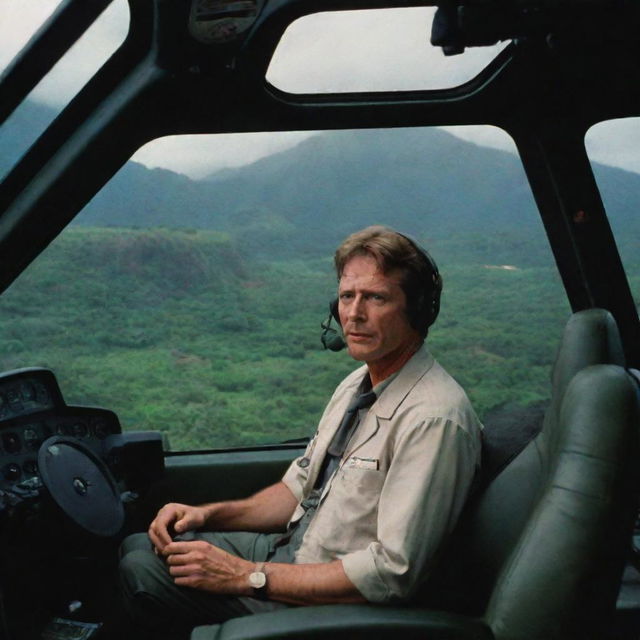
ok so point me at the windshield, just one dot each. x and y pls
(192, 304)
(188, 295)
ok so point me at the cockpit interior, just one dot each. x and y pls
(166, 231)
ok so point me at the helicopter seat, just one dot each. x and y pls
(515, 464)
(539, 552)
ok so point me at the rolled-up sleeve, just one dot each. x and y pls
(427, 483)
(295, 477)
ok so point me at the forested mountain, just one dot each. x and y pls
(302, 201)
(329, 184)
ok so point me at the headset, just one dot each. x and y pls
(422, 310)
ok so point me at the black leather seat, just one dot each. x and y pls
(539, 553)
(494, 519)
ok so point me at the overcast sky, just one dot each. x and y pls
(365, 50)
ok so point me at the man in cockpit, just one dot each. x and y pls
(359, 516)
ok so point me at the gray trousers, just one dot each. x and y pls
(152, 604)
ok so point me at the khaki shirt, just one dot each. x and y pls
(401, 484)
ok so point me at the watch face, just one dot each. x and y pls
(257, 580)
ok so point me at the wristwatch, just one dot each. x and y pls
(258, 581)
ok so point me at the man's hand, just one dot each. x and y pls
(173, 519)
(267, 511)
(201, 565)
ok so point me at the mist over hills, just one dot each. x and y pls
(310, 196)
(303, 200)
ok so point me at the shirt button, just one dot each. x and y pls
(303, 463)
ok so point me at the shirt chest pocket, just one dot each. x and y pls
(359, 479)
(347, 518)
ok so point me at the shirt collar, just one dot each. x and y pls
(401, 383)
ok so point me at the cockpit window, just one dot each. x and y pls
(191, 302)
(614, 151)
(369, 50)
(66, 78)
(20, 22)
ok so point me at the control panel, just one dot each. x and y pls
(32, 409)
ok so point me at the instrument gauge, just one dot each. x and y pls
(11, 442)
(101, 428)
(31, 438)
(80, 430)
(13, 397)
(62, 429)
(11, 472)
(28, 392)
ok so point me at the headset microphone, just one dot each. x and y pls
(330, 338)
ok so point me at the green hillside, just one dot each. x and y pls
(177, 331)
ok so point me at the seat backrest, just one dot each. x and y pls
(562, 576)
(495, 517)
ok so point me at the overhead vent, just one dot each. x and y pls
(222, 21)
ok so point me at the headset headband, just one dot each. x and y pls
(431, 301)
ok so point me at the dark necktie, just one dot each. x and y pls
(342, 435)
(330, 463)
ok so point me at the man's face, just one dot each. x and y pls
(372, 309)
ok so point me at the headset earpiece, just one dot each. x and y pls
(424, 311)
(330, 338)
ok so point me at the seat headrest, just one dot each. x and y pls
(590, 337)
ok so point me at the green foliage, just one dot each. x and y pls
(213, 336)
(175, 331)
